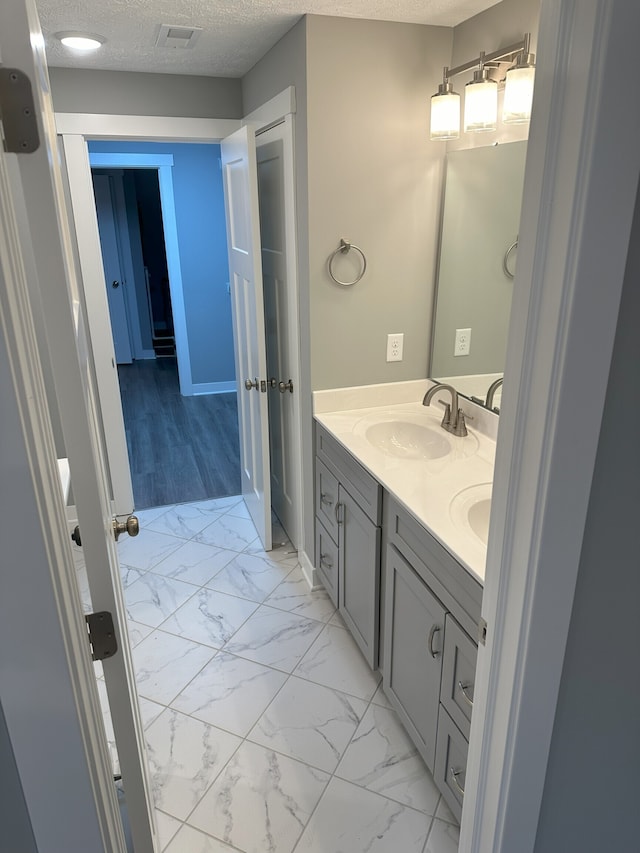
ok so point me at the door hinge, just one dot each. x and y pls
(101, 635)
(482, 632)
(18, 113)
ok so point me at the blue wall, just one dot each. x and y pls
(199, 204)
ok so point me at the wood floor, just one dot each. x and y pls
(180, 448)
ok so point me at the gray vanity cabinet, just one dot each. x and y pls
(413, 637)
(348, 534)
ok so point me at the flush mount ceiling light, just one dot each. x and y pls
(81, 41)
(481, 93)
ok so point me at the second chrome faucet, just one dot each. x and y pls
(453, 420)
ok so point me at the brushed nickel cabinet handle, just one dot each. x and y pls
(325, 499)
(463, 690)
(339, 505)
(325, 561)
(434, 630)
(454, 776)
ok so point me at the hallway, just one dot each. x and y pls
(180, 448)
(266, 730)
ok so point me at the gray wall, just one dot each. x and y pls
(375, 179)
(77, 90)
(590, 799)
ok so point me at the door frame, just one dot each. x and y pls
(580, 191)
(75, 130)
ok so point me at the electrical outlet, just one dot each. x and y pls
(463, 342)
(394, 347)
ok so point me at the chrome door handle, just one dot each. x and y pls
(130, 526)
(463, 689)
(454, 776)
(434, 630)
(285, 386)
(248, 384)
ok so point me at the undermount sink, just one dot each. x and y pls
(470, 510)
(407, 440)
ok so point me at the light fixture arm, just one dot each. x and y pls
(509, 52)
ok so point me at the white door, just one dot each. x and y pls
(245, 270)
(112, 269)
(46, 239)
(281, 321)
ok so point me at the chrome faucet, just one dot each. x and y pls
(491, 392)
(453, 420)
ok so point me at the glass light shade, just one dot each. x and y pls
(445, 116)
(480, 105)
(518, 94)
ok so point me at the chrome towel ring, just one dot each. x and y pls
(344, 247)
(507, 255)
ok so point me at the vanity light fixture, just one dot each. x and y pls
(481, 93)
(518, 90)
(81, 41)
(445, 111)
(480, 101)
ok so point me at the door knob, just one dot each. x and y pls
(115, 284)
(248, 384)
(273, 382)
(285, 386)
(130, 526)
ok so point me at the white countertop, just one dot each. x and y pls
(425, 487)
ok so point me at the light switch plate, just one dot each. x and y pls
(395, 345)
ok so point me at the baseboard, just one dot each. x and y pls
(146, 355)
(200, 388)
(309, 571)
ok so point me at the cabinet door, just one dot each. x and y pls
(413, 636)
(359, 575)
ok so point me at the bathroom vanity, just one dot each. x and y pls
(401, 518)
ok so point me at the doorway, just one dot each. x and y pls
(176, 379)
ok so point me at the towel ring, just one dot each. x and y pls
(505, 261)
(344, 247)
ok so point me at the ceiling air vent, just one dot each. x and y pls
(175, 36)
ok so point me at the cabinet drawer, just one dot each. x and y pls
(458, 674)
(364, 488)
(327, 561)
(451, 762)
(452, 583)
(327, 499)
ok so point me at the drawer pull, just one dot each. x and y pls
(325, 499)
(454, 776)
(434, 630)
(325, 561)
(339, 506)
(463, 689)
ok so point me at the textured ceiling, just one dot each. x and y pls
(237, 33)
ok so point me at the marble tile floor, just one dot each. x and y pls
(266, 730)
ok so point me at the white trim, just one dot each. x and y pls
(275, 109)
(309, 571)
(199, 388)
(150, 128)
(91, 268)
(561, 337)
(129, 161)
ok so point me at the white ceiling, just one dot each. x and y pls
(237, 33)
